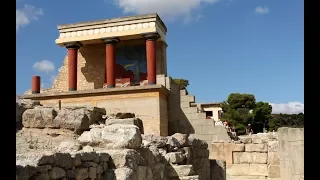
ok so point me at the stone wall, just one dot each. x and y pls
(159, 159)
(291, 153)
(252, 157)
(79, 143)
(150, 105)
(184, 117)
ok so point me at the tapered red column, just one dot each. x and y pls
(151, 40)
(35, 85)
(72, 65)
(110, 61)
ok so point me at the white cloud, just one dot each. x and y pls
(27, 14)
(261, 10)
(52, 78)
(289, 108)
(44, 66)
(167, 9)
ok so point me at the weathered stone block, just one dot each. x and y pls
(256, 140)
(150, 139)
(125, 174)
(181, 138)
(245, 139)
(273, 158)
(256, 147)
(273, 171)
(128, 121)
(175, 157)
(113, 136)
(239, 148)
(247, 170)
(258, 170)
(180, 170)
(39, 117)
(273, 146)
(237, 169)
(57, 173)
(250, 157)
(217, 151)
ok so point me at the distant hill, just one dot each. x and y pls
(286, 120)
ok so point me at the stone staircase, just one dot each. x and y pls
(203, 128)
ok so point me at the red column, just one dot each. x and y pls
(151, 40)
(35, 85)
(72, 65)
(111, 61)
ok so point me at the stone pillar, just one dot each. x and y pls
(111, 61)
(35, 85)
(151, 41)
(72, 65)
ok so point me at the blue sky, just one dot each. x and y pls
(220, 46)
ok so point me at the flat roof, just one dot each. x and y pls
(113, 20)
(209, 103)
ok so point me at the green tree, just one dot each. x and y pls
(262, 113)
(237, 100)
(183, 83)
(236, 110)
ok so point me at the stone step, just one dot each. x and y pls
(196, 116)
(180, 170)
(187, 98)
(193, 104)
(183, 92)
(189, 110)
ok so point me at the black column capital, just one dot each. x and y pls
(73, 45)
(151, 36)
(111, 40)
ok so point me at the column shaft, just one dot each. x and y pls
(110, 61)
(35, 85)
(151, 40)
(72, 68)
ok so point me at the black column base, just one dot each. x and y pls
(151, 83)
(72, 89)
(110, 86)
(35, 92)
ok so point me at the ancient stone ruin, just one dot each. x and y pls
(113, 113)
(81, 143)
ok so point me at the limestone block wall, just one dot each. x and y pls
(291, 142)
(254, 157)
(150, 107)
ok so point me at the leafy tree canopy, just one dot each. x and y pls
(242, 109)
(237, 100)
(182, 82)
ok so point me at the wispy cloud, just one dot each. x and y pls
(288, 108)
(44, 66)
(167, 9)
(261, 10)
(25, 15)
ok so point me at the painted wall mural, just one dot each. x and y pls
(131, 63)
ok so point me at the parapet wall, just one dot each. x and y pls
(291, 153)
(269, 156)
(253, 157)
